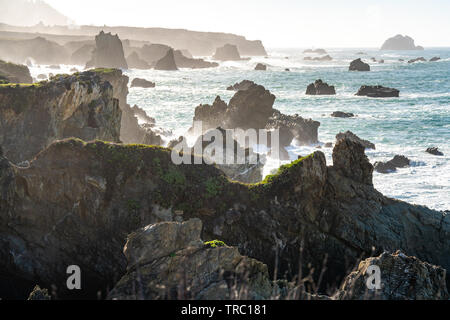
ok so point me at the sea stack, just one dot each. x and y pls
(400, 42)
(108, 52)
(359, 65)
(320, 88)
(228, 52)
(167, 63)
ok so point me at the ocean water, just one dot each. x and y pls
(408, 125)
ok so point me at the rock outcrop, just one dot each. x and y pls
(170, 261)
(108, 52)
(135, 62)
(340, 114)
(359, 65)
(434, 151)
(167, 62)
(435, 59)
(378, 92)
(14, 73)
(320, 88)
(39, 294)
(402, 278)
(400, 42)
(243, 85)
(351, 136)
(261, 67)
(392, 165)
(142, 83)
(185, 62)
(76, 203)
(33, 116)
(227, 53)
(419, 59)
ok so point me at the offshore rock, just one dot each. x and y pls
(108, 52)
(227, 53)
(167, 62)
(135, 62)
(392, 165)
(350, 135)
(400, 42)
(320, 88)
(378, 92)
(359, 65)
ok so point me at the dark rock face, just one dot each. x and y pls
(32, 117)
(351, 136)
(108, 52)
(261, 67)
(400, 42)
(402, 278)
(392, 165)
(39, 294)
(135, 62)
(14, 73)
(324, 58)
(167, 63)
(378, 92)
(421, 59)
(320, 88)
(77, 202)
(340, 114)
(161, 255)
(243, 85)
(317, 51)
(434, 151)
(227, 53)
(142, 83)
(359, 65)
(435, 59)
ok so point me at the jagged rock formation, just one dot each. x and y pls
(154, 52)
(39, 49)
(77, 202)
(340, 114)
(33, 116)
(421, 59)
(185, 62)
(317, 51)
(392, 165)
(378, 92)
(108, 52)
(142, 83)
(82, 55)
(359, 65)
(134, 62)
(243, 85)
(351, 136)
(400, 42)
(14, 73)
(402, 278)
(170, 261)
(261, 67)
(434, 151)
(320, 88)
(39, 294)
(167, 63)
(227, 53)
(324, 58)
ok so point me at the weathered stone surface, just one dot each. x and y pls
(142, 83)
(340, 114)
(392, 165)
(185, 62)
(434, 151)
(167, 62)
(33, 116)
(402, 278)
(378, 92)
(350, 135)
(243, 85)
(261, 67)
(320, 88)
(359, 65)
(39, 294)
(135, 62)
(227, 53)
(421, 59)
(170, 261)
(14, 73)
(108, 52)
(400, 42)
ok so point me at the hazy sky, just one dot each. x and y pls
(279, 23)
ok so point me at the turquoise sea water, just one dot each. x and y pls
(420, 118)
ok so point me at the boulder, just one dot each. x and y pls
(135, 62)
(261, 67)
(421, 59)
(434, 151)
(435, 59)
(14, 73)
(317, 51)
(227, 53)
(392, 165)
(243, 85)
(33, 116)
(402, 278)
(378, 92)
(108, 52)
(167, 63)
(142, 83)
(400, 42)
(320, 88)
(340, 114)
(359, 65)
(169, 260)
(351, 136)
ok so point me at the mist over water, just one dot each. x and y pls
(408, 125)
